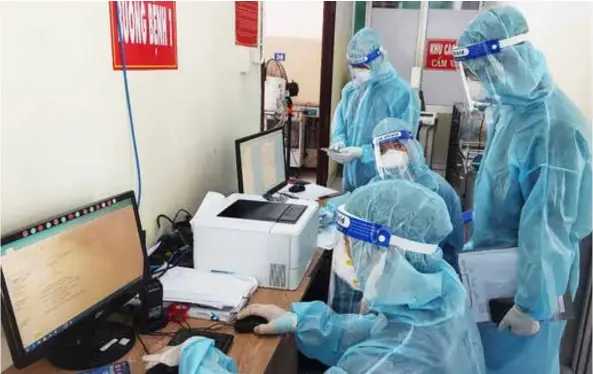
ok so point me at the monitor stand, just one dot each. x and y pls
(92, 345)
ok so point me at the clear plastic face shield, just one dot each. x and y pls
(360, 67)
(344, 295)
(374, 272)
(477, 63)
(393, 152)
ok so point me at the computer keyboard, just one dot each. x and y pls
(221, 341)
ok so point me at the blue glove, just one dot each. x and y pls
(326, 216)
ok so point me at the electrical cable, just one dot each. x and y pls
(128, 103)
(181, 211)
(158, 220)
(142, 342)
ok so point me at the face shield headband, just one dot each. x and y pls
(363, 62)
(398, 166)
(480, 50)
(377, 234)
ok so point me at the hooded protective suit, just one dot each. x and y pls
(364, 104)
(533, 189)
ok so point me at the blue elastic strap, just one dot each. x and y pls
(476, 50)
(366, 231)
(394, 136)
(466, 217)
(364, 61)
(129, 103)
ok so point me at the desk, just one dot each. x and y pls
(253, 354)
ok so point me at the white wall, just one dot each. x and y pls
(65, 135)
(293, 19)
(563, 31)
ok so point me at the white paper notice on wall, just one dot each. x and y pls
(243, 59)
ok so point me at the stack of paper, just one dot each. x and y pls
(214, 296)
(328, 237)
(488, 274)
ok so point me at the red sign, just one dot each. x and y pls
(439, 54)
(149, 30)
(246, 23)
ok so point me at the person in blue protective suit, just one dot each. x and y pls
(398, 156)
(375, 92)
(533, 189)
(418, 320)
(197, 355)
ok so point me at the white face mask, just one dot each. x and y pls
(361, 75)
(394, 159)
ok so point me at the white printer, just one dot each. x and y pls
(247, 235)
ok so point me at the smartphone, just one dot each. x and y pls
(116, 368)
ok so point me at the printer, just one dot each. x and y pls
(250, 236)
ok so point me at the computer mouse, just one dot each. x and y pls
(247, 324)
(296, 188)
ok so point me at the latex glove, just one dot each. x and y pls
(326, 216)
(337, 146)
(280, 321)
(521, 324)
(346, 155)
(168, 356)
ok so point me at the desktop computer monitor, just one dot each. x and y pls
(63, 276)
(261, 165)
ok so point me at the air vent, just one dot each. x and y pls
(277, 275)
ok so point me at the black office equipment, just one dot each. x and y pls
(247, 324)
(221, 341)
(296, 188)
(150, 316)
(264, 211)
(62, 277)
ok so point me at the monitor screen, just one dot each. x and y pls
(261, 162)
(59, 271)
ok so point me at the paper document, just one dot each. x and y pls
(327, 237)
(488, 274)
(211, 290)
(312, 192)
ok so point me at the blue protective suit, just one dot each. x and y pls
(419, 321)
(533, 189)
(200, 356)
(420, 173)
(363, 105)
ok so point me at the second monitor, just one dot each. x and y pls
(261, 166)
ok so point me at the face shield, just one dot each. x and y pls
(360, 67)
(382, 273)
(393, 152)
(344, 295)
(481, 63)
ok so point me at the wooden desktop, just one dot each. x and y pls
(253, 354)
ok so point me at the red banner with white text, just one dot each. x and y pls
(439, 54)
(149, 30)
(246, 23)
